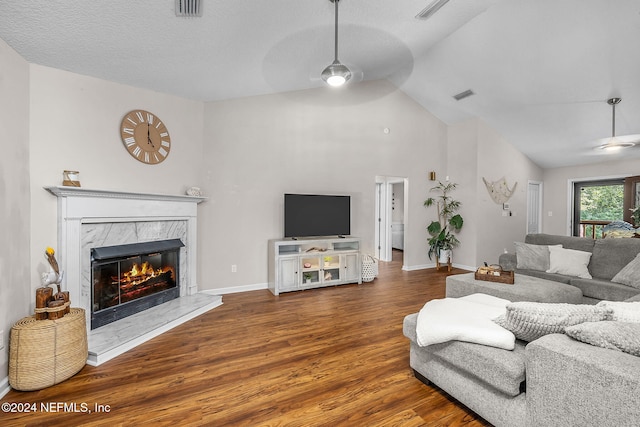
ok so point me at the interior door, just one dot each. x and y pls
(534, 207)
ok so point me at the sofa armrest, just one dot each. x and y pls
(570, 383)
(508, 261)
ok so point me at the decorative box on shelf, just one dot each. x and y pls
(495, 274)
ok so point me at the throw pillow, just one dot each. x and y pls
(619, 336)
(569, 262)
(531, 320)
(630, 274)
(532, 257)
(622, 311)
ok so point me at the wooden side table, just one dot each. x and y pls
(45, 352)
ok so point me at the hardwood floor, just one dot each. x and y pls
(325, 357)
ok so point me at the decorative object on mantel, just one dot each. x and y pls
(194, 191)
(47, 352)
(49, 305)
(70, 178)
(499, 190)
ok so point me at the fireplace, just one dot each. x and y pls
(130, 278)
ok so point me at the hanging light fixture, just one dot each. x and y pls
(336, 74)
(614, 144)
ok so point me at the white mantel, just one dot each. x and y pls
(80, 209)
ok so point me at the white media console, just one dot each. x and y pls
(312, 263)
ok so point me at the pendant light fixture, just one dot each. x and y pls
(336, 74)
(614, 144)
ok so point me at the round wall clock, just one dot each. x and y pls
(145, 137)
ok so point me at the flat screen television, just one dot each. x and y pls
(313, 215)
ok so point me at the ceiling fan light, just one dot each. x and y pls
(614, 145)
(336, 74)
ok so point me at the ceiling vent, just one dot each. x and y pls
(462, 95)
(428, 11)
(189, 8)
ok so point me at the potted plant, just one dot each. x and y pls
(443, 239)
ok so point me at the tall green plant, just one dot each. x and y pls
(449, 222)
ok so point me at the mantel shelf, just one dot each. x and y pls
(62, 191)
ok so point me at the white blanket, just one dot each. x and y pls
(468, 318)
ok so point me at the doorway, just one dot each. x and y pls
(391, 217)
(534, 207)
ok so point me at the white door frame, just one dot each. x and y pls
(538, 214)
(383, 215)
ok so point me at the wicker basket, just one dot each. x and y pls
(45, 352)
(369, 268)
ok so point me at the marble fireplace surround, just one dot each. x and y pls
(94, 218)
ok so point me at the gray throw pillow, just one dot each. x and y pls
(531, 320)
(630, 274)
(619, 336)
(569, 262)
(532, 257)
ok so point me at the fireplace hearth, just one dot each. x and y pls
(130, 278)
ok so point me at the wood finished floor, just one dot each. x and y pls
(324, 357)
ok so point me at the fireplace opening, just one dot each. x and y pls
(131, 278)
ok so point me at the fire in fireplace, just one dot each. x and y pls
(131, 278)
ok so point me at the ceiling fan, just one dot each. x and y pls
(614, 144)
(336, 74)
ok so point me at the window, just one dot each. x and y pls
(595, 204)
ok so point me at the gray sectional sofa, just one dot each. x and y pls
(554, 380)
(608, 257)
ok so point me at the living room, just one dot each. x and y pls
(245, 153)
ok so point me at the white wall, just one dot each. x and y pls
(476, 151)
(315, 141)
(557, 193)
(75, 125)
(15, 292)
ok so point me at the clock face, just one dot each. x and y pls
(145, 137)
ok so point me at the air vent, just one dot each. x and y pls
(462, 95)
(189, 8)
(428, 11)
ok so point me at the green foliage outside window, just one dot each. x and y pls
(601, 203)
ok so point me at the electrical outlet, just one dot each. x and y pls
(234, 268)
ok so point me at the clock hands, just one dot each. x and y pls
(149, 136)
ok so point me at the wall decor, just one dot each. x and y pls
(499, 190)
(145, 137)
(70, 178)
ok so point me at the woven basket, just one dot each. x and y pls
(45, 352)
(369, 268)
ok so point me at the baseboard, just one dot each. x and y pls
(4, 387)
(236, 289)
(417, 267)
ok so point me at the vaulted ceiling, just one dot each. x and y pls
(541, 70)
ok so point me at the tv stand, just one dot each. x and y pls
(300, 263)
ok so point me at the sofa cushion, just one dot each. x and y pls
(630, 274)
(623, 311)
(504, 370)
(619, 336)
(544, 275)
(569, 262)
(603, 289)
(569, 242)
(531, 320)
(612, 255)
(533, 257)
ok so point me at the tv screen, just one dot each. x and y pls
(307, 215)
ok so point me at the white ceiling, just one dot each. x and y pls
(542, 70)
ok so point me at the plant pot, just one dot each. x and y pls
(444, 255)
